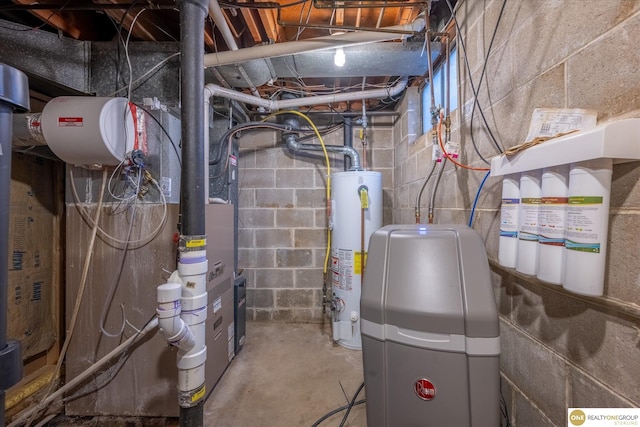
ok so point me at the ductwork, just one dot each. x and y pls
(274, 105)
(312, 45)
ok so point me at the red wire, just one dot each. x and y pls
(444, 152)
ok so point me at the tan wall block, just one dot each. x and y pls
(387, 177)
(253, 218)
(623, 272)
(275, 198)
(274, 157)
(471, 29)
(245, 237)
(410, 170)
(603, 76)
(383, 158)
(625, 191)
(260, 298)
(273, 238)
(308, 278)
(516, 14)
(259, 139)
(256, 258)
(586, 392)
(274, 278)
(294, 298)
(321, 220)
(294, 178)
(378, 137)
(256, 178)
(310, 238)
(537, 372)
(294, 218)
(246, 198)
(294, 258)
(247, 159)
(527, 414)
(311, 198)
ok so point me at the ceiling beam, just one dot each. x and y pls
(66, 22)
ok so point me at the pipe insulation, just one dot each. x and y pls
(312, 45)
(286, 104)
(14, 96)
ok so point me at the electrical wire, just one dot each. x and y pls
(336, 411)
(148, 72)
(448, 157)
(473, 89)
(173, 144)
(326, 158)
(348, 407)
(126, 51)
(475, 201)
(106, 236)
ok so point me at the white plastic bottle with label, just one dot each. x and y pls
(587, 226)
(509, 210)
(527, 256)
(551, 219)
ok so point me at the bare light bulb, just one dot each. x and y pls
(339, 58)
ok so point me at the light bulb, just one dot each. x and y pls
(339, 59)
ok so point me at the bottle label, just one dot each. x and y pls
(509, 218)
(528, 229)
(551, 217)
(584, 223)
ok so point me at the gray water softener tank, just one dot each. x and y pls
(430, 334)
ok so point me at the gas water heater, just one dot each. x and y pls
(356, 212)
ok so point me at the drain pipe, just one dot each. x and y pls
(182, 303)
(295, 146)
(14, 96)
(286, 104)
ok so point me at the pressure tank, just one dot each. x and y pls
(84, 130)
(356, 212)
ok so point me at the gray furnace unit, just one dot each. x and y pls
(430, 334)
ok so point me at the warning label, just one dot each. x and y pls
(70, 121)
(342, 263)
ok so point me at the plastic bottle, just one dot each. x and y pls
(527, 256)
(587, 226)
(551, 219)
(509, 210)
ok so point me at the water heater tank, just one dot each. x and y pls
(356, 212)
(88, 130)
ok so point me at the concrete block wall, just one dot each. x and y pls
(282, 218)
(559, 350)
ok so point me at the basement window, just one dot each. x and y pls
(439, 81)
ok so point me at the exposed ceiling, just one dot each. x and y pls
(253, 23)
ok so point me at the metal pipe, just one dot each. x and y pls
(348, 141)
(14, 95)
(285, 104)
(432, 202)
(354, 156)
(424, 185)
(311, 45)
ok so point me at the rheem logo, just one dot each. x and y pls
(424, 389)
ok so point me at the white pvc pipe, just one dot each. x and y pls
(310, 45)
(87, 373)
(218, 18)
(174, 329)
(274, 105)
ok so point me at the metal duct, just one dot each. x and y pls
(310, 45)
(371, 60)
(14, 95)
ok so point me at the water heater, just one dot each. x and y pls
(356, 212)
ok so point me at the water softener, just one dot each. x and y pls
(430, 333)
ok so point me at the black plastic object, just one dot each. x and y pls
(240, 312)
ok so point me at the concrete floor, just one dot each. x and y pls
(287, 375)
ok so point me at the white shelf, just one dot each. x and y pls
(618, 140)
